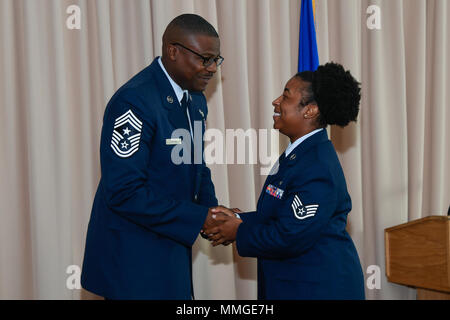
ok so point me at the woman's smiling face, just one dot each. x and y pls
(288, 113)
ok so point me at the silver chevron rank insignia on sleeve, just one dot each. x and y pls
(301, 211)
(126, 135)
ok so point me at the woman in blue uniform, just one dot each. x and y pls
(298, 230)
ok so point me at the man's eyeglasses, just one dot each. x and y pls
(206, 61)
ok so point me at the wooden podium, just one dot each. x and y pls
(418, 255)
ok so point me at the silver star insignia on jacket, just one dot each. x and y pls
(126, 135)
(301, 211)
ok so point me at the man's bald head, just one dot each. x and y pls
(186, 25)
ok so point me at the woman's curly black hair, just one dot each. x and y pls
(335, 91)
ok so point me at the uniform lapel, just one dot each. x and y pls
(196, 115)
(292, 159)
(198, 127)
(169, 99)
(271, 178)
(303, 147)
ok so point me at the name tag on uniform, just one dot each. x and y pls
(171, 142)
(274, 191)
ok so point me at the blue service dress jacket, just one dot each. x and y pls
(298, 230)
(148, 209)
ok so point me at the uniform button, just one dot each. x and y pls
(195, 197)
(281, 182)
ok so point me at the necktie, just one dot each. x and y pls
(185, 103)
(185, 106)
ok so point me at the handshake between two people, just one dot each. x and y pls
(221, 225)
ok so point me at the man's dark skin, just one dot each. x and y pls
(185, 67)
(187, 70)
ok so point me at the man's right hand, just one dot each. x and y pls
(210, 218)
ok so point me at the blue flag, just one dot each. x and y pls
(308, 58)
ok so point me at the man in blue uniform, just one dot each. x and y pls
(149, 208)
(298, 229)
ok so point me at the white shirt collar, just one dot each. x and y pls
(292, 146)
(176, 88)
